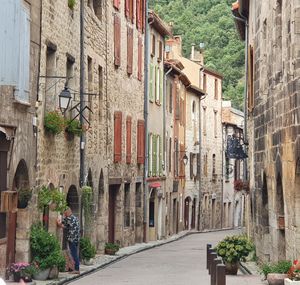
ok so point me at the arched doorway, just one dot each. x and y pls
(20, 182)
(280, 219)
(187, 213)
(101, 194)
(73, 203)
(265, 205)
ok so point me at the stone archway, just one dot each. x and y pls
(265, 205)
(73, 203)
(280, 219)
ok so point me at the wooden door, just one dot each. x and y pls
(11, 238)
(193, 214)
(112, 213)
(186, 213)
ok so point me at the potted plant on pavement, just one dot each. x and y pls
(111, 248)
(45, 251)
(233, 249)
(21, 270)
(87, 250)
(275, 273)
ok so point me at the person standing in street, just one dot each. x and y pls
(71, 224)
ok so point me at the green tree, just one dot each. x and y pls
(209, 22)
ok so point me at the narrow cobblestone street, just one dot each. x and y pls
(179, 262)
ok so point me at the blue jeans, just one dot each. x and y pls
(73, 246)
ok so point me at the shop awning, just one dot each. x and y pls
(155, 185)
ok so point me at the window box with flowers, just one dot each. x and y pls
(54, 123)
(240, 185)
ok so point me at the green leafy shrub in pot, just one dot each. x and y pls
(54, 122)
(87, 250)
(112, 246)
(45, 249)
(74, 127)
(232, 249)
(87, 201)
(281, 267)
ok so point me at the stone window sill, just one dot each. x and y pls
(26, 104)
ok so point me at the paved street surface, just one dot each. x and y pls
(179, 262)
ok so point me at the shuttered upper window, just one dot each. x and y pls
(15, 47)
(140, 142)
(138, 15)
(128, 140)
(129, 50)
(140, 58)
(117, 136)
(117, 40)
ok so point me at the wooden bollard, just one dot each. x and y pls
(212, 256)
(208, 247)
(213, 276)
(220, 275)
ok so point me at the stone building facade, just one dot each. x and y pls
(212, 150)
(125, 121)
(58, 155)
(273, 123)
(19, 54)
(233, 197)
(156, 180)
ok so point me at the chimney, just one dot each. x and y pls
(193, 52)
(198, 55)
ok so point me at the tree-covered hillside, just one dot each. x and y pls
(209, 22)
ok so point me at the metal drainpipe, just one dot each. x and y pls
(146, 65)
(82, 139)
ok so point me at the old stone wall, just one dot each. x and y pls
(274, 127)
(212, 152)
(19, 115)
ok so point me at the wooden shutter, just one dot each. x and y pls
(154, 155)
(160, 156)
(128, 139)
(140, 142)
(161, 86)
(140, 58)
(117, 4)
(182, 151)
(151, 82)
(198, 165)
(131, 11)
(127, 8)
(117, 40)
(177, 108)
(143, 12)
(149, 154)
(157, 83)
(117, 136)
(138, 14)
(129, 50)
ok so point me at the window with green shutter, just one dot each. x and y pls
(150, 154)
(160, 156)
(151, 83)
(157, 84)
(161, 86)
(154, 155)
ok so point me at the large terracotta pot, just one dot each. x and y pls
(276, 278)
(231, 268)
(110, 251)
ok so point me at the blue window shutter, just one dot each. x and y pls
(9, 42)
(22, 92)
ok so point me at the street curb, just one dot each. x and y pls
(119, 258)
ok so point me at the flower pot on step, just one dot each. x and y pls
(276, 278)
(231, 268)
(42, 275)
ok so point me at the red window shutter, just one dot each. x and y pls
(140, 58)
(117, 136)
(138, 14)
(128, 140)
(117, 40)
(143, 12)
(129, 50)
(131, 10)
(127, 8)
(117, 4)
(140, 142)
